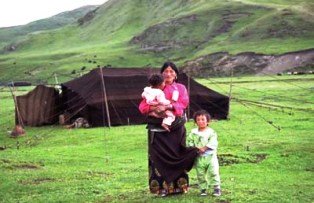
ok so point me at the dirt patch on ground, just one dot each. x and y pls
(36, 181)
(5, 161)
(3, 148)
(230, 159)
(257, 158)
(13, 165)
(309, 169)
(26, 166)
(104, 175)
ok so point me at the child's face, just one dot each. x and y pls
(162, 85)
(202, 121)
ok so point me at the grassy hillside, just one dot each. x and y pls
(258, 162)
(11, 36)
(122, 33)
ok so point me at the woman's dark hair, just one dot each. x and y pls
(201, 113)
(172, 65)
(155, 80)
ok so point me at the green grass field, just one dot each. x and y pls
(259, 163)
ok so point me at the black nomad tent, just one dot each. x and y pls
(38, 107)
(110, 96)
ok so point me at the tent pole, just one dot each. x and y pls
(56, 79)
(189, 80)
(16, 106)
(230, 91)
(105, 96)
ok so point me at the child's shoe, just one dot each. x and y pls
(217, 192)
(203, 192)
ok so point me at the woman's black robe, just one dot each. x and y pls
(169, 158)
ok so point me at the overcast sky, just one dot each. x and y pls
(20, 12)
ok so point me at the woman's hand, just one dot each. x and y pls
(161, 111)
(158, 111)
(161, 108)
(202, 150)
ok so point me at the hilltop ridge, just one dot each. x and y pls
(142, 33)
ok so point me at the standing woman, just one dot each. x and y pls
(169, 158)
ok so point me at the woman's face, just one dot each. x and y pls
(169, 75)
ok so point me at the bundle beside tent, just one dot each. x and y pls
(110, 96)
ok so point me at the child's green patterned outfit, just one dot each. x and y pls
(206, 165)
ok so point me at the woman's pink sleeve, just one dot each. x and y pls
(182, 102)
(143, 107)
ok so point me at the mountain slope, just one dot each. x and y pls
(145, 33)
(13, 34)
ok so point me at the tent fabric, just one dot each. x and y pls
(202, 97)
(85, 96)
(38, 107)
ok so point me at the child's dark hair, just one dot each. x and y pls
(155, 80)
(201, 112)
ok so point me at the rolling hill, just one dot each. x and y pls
(11, 35)
(146, 33)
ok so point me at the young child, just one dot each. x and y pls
(206, 164)
(155, 96)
